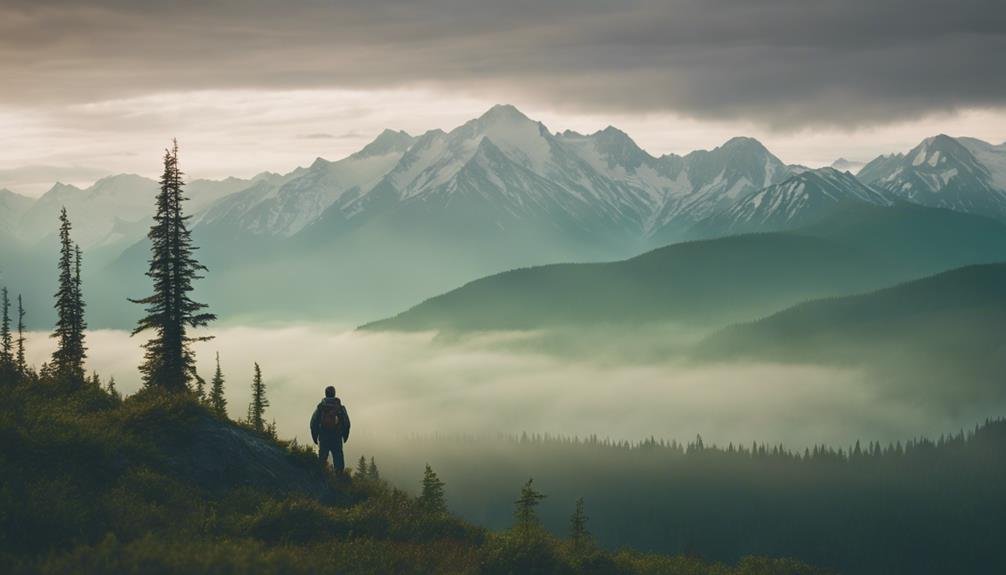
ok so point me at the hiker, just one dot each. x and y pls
(330, 428)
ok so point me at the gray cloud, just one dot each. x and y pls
(785, 63)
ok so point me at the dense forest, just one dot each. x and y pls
(922, 506)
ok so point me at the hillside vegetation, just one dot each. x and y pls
(157, 484)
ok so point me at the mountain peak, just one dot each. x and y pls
(618, 146)
(940, 142)
(503, 112)
(60, 188)
(387, 142)
(744, 143)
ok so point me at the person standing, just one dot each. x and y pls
(330, 429)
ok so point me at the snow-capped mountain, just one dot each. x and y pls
(502, 170)
(965, 175)
(716, 179)
(879, 168)
(595, 184)
(101, 212)
(92, 210)
(799, 201)
(992, 157)
(282, 205)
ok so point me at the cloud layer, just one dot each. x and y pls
(784, 63)
(400, 385)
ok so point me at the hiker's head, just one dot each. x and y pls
(330, 391)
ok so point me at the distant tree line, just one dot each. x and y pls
(924, 506)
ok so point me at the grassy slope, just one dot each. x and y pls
(948, 326)
(93, 485)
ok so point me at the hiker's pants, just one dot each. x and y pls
(335, 448)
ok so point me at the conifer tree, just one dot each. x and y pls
(79, 323)
(524, 507)
(372, 470)
(259, 402)
(112, 390)
(169, 361)
(68, 359)
(432, 499)
(578, 533)
(22, 363)
(6, 339)
(200, 387)
(361, 467)
(218, 403)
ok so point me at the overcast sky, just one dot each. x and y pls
(97, 86)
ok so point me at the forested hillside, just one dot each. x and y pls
(157, 483)
(923, 506)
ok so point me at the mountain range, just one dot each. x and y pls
(408, 217)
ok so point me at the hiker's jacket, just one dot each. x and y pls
(330, 436)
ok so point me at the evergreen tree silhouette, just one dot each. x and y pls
(372, 471)
(7, 365)
(21, 362)
(432, 499)
(79, 323)
(68, 358)
(524, 511)
(256, 409)
(218, 403)
(361, 467)
(200, 387)
(112, 390)
(578, 533)
(169, 361)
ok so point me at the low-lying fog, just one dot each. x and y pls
(397, 385)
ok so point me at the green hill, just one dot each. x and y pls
(707, 283)
(156, 484)
(944, 328)
(716, 282)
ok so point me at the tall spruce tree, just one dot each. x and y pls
(68, 358)
(7, 365)
(432, 499)
(169, 361)
(218, 403)
(20, 360)
(578, 533)
(200, 387)
(361, 467)
(113, 390)
(524, 511)
(259, 402)
(79, 323)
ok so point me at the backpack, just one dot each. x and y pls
(330, 416)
